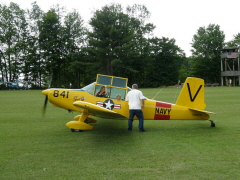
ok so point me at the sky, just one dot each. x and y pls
(178, 19)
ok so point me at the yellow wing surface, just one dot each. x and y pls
(98, 111)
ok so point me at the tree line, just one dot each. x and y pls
(117, 41)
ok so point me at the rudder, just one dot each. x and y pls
(192, 93)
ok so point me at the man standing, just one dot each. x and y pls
(135, 100)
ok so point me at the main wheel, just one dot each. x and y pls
(76, 130)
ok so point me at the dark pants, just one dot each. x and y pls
(139, 114)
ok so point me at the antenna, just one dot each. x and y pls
(157, 93)
(177, 92)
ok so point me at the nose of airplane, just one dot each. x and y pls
(45, 92)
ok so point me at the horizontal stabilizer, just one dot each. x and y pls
(200, 110)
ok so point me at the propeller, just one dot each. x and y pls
(45, 92)
(45, 105)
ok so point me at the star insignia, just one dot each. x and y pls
(108, 104)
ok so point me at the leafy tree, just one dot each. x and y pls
(117, 44)
(13, 28)
(3, 67)
(33, 63)
(206, 59)
(235, 41)
(120, 43)
(165, 62)
(111, 41)
(51, 44)
(184, 71)
(139, 16)
(74, 37)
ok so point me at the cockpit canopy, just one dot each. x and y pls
(116, 86)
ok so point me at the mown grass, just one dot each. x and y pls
(33, 147)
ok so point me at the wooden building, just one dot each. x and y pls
(230, 69)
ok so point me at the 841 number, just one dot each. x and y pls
(64, 94)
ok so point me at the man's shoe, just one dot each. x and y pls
(142, 130)
(129, 129)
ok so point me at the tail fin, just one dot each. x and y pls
(192, 94)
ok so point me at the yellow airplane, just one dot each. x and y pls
(189, 105)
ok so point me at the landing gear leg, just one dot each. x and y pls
(212, 123)
(79, 125)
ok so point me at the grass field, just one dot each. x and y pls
(33, 147)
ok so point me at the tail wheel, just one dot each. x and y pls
(212, 123)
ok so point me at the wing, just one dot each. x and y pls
(98, 111)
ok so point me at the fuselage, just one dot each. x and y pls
(153, 110)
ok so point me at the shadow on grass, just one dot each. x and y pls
(107, 132)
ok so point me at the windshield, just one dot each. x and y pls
(89, 88)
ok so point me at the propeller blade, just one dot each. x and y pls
(45, 105)
(45, 92)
